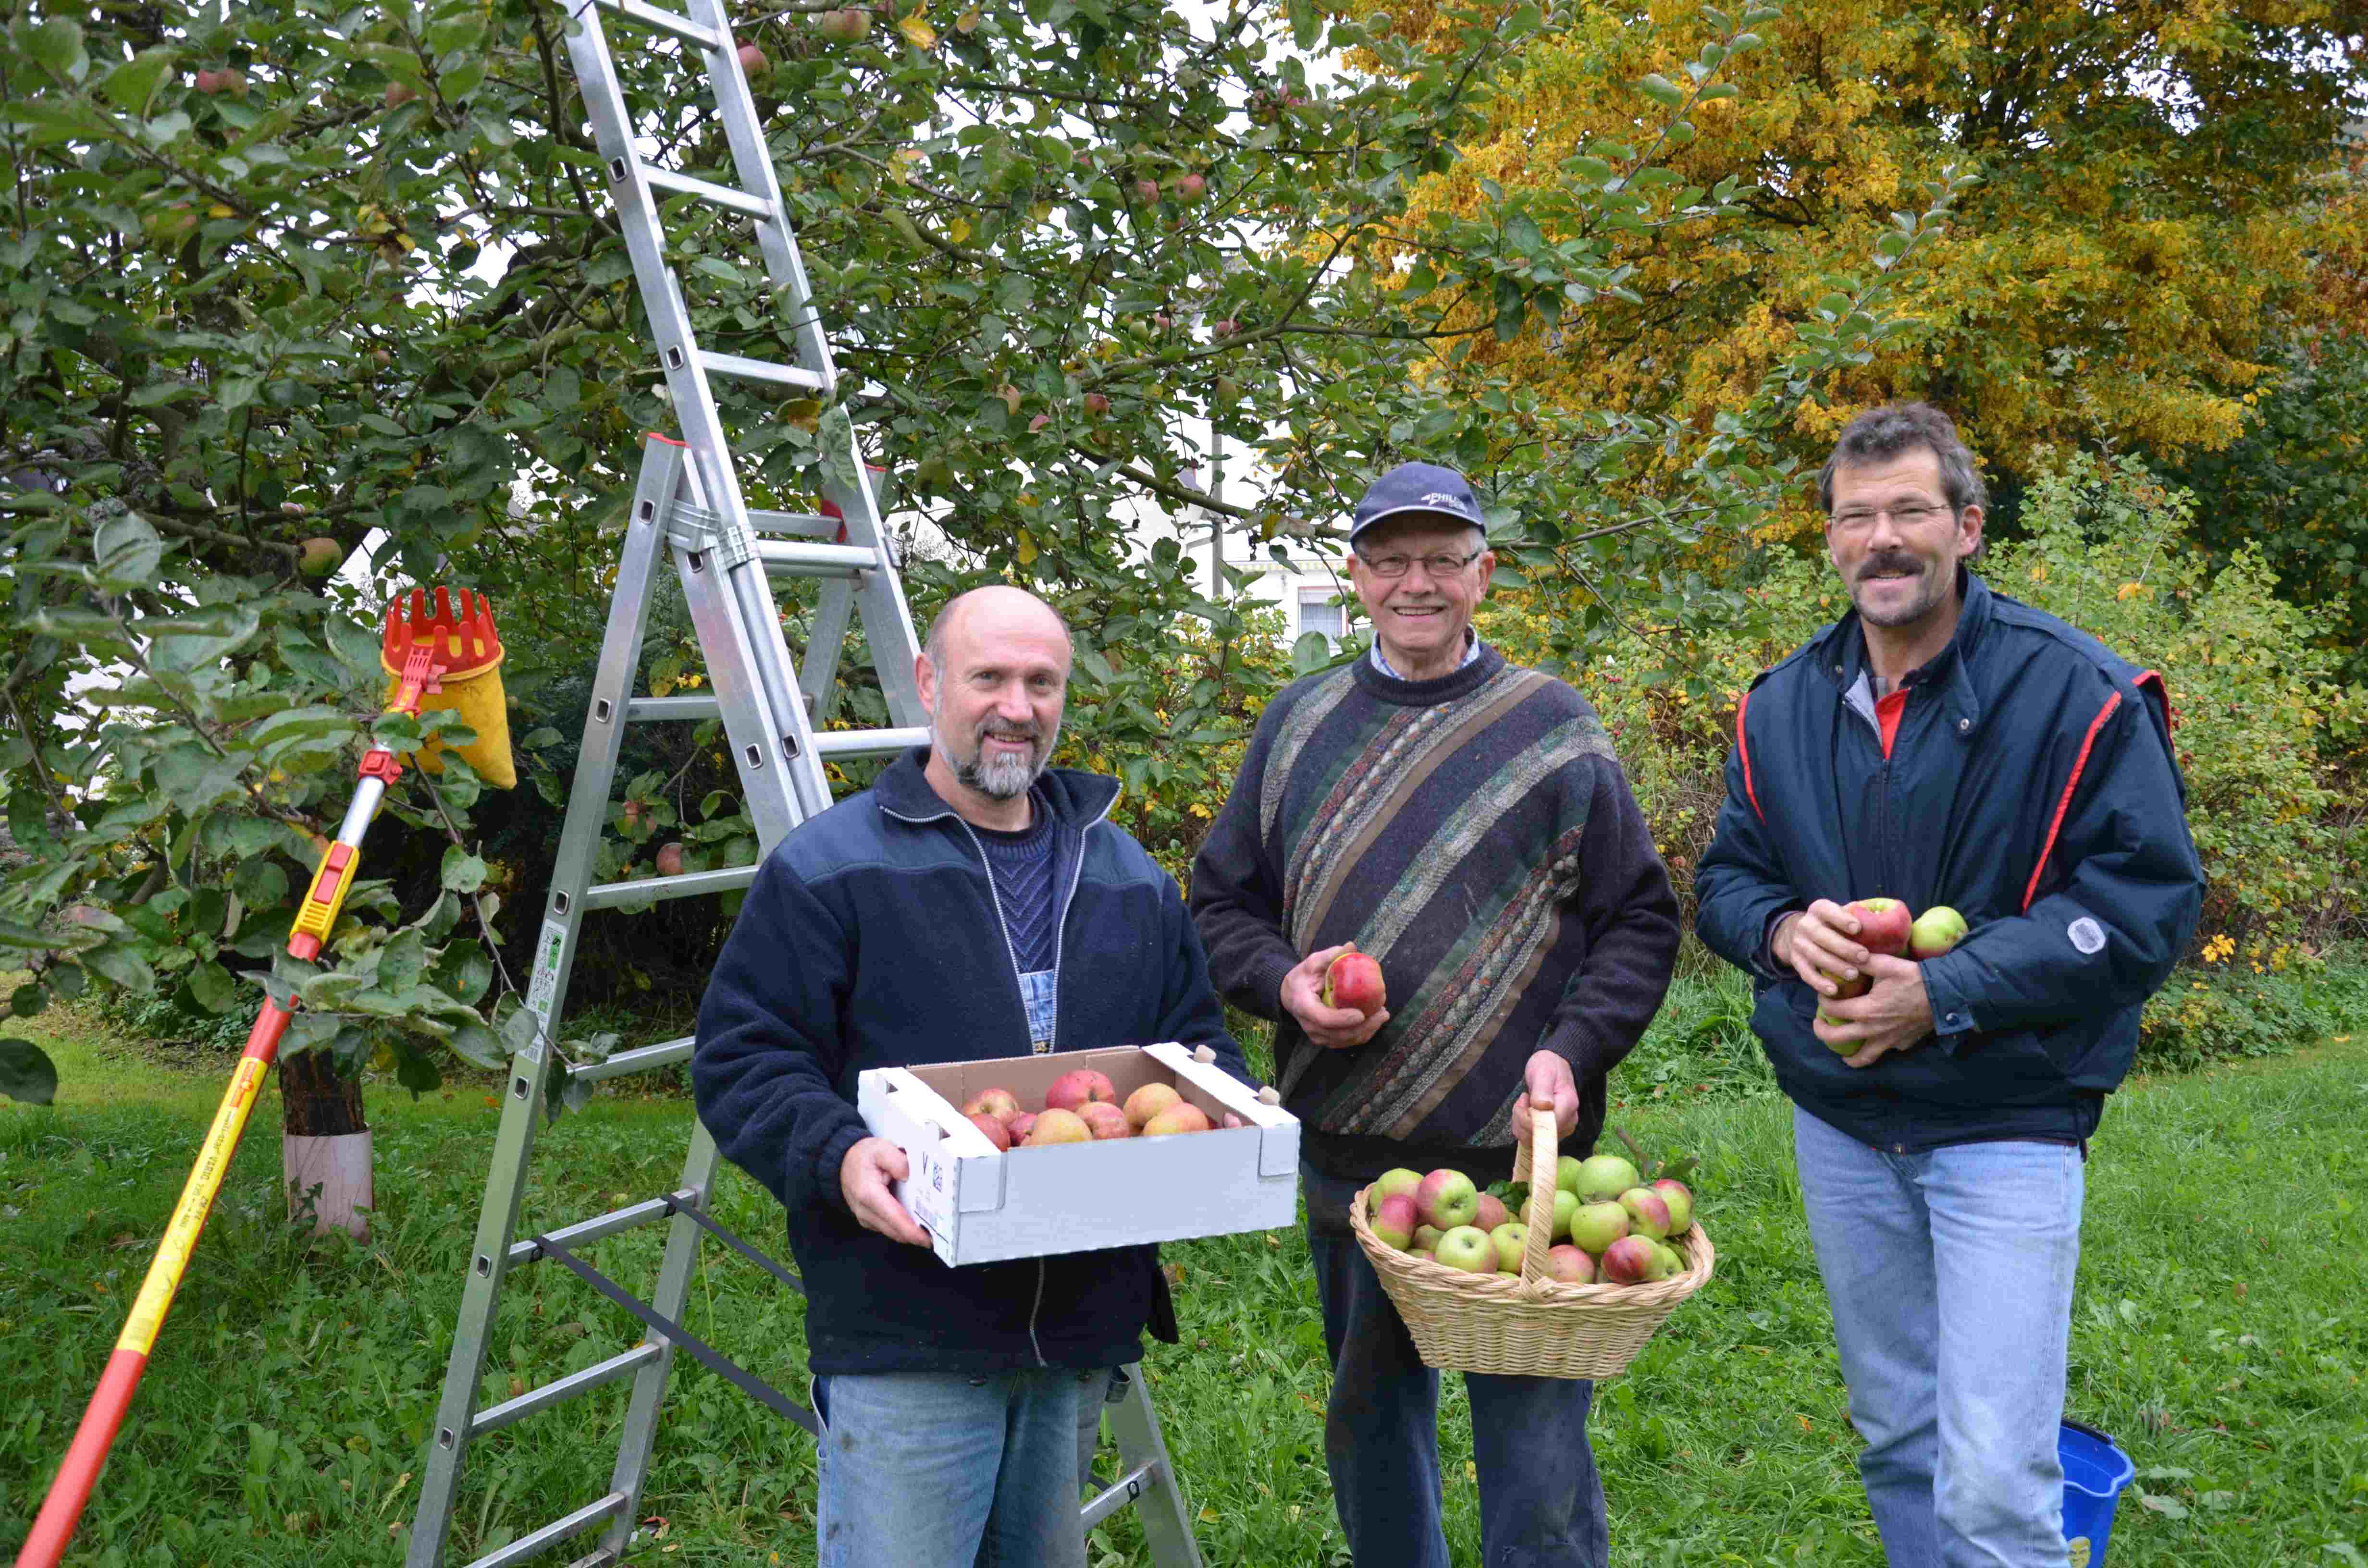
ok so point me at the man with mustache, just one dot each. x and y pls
(1944, 745)
(1463, 821)
(972, 903)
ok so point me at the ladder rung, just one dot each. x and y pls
(1121, 1492)
(584, 1232)
(806, 525)
(667, 22)
(662, 710)
(536, 1543)
(761, 370)
(725, 195)
(869, 742)
(641, 1059)
(690, 885)
(791, 558)
(560, 1389)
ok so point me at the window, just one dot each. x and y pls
(1318, 612)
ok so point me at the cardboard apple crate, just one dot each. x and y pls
(984, 1205)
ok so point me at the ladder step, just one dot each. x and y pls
(668, 710)
(559, 1390)
(690, 885)
(869, 742)
(668, 22)
(536, 1543)
(762, 370)
(1119, 1494)
(728, 197)
(584, 1232)
(806, 525)
(786, 558)
(641, 1059)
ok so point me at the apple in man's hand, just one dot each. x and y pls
(1936, 931)
(1883, 925)
(1353, 982)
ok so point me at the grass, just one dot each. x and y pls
(2219, 1333)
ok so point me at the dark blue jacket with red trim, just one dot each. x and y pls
(2029, 783)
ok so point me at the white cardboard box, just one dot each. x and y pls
(982, 1205)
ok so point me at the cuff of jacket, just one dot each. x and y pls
(1264, 981)
(1767, 955)
(1953, 1010)
(828, 1158)
(1582, 1050)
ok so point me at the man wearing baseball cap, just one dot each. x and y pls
(1465, 822)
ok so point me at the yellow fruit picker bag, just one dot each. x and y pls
(469, 681)
(1528, 1324)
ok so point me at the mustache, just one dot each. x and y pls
(1002, 731)
(1890, 561)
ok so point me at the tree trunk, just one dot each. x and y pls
(324, 1146)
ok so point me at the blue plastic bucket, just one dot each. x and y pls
(2094, 1473)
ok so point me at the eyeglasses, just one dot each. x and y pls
(1435, 566)
(1858, 517)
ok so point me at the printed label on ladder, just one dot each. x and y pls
(545, 988)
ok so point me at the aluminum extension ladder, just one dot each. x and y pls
(687, 506)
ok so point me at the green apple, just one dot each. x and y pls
(1594, 1226)
(1467, 1247)
(1390, 1183)
(1603, 1178)
(1936, 931)
(1512, 1239)
(1566, 1204)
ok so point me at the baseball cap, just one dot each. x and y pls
(1418, 488)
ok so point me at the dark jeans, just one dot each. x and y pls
(1541, 1499)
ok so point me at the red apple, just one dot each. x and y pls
(1936, 931)
(1078, 1086)
(1648, 1212)
(1059, 1127)
(1181, 1117)
(1096, 404)
(997, 1133)
(1225, 329)
(1447, 1200)
(1149, 1101)
(1020, 1126)
(669, 860)
(398, 95)
(1881, 925)
(1146, 191)
(1105, 1121)
(753, 61)
(1568, 1265)
(1492, 1214)
(1354, 981)
(1631, 1260)
(1000, 1104)
(1190, 188)
(1395, 1221)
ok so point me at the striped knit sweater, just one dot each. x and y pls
(1477, 835)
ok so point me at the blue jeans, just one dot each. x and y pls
(1951, 1278)
(930, 1470)
(1541, 1499)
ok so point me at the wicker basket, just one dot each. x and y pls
(1527, 1325)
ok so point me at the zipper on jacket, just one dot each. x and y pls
(1011, 948)
(1035, 1307)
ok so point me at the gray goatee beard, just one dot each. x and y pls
(1003, 776)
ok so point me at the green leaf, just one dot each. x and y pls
(463, 873)
(122, 964)
(128, 552)
(28, 999)
(131, 85)
(1310, 653)
(1662, 91)
(478, 1046)
(212, 986)
(26, 1072)
(55, 44)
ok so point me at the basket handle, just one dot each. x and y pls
(1539, 1154)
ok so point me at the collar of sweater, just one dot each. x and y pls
(1461, 682)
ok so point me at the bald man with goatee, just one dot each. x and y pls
(974, 903)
